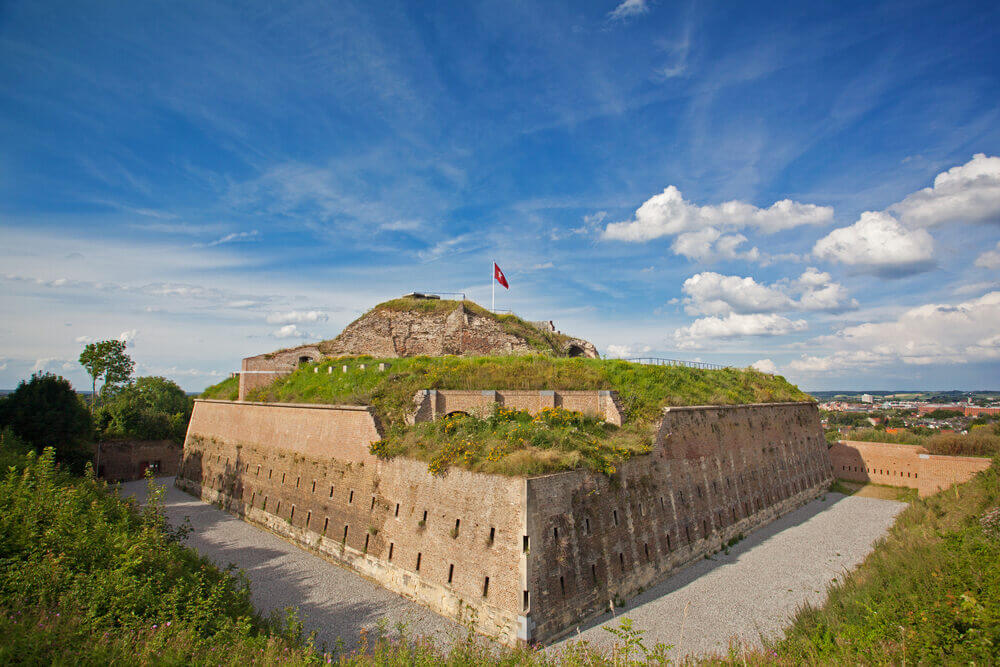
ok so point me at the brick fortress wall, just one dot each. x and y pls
(127, 460)
(555, 548)
(902, 465)
(305, 473)
(715, 473)
(433, 403)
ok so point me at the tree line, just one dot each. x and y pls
(46, 411)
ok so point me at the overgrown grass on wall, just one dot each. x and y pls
(643, 390)
(227, 390)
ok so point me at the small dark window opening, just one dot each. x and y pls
(646, 548)
(593, 573)
(391, 547)
(264, 506)
(526, 601)
(458, 523)
(292, 515)
(350, 498)
(304, 360)
(297, 480)
(586, 526)
(451, 572)
(418, 561)
(326, 524)
(425, 517)
(314, 486)
(331, 492)
(555, 533)
(277, 510)
(687, 532)
(373, 504)
(282, 478)
(367, 535)
(345, 534)
(524, 544)
(704, 527)
(669, 547)
(486, 586)
(397, 509)
(621, 560)
(562, 585)
(614, 513)
(493, 532)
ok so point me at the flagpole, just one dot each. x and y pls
(493, 282)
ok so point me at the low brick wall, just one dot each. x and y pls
(433, 403)
(128, 460)
(902, 465)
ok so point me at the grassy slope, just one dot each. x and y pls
(543, 341)
(929, 592)
(643, 390)
(227, 390)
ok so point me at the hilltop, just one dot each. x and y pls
(417, 325)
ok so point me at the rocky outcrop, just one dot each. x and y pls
(413, 327)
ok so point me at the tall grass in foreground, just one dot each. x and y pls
(928, 593)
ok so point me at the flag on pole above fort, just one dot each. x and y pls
(500, 277)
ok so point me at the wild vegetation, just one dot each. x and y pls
(148, 408)
(227, 390)
(643, 390)
(928, 593)
(980, 441)
(513, 442)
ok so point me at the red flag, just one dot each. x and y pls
(500, 277)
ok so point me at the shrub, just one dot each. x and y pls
(45, 410)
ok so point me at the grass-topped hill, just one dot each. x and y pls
(515, 443)
(544, 342)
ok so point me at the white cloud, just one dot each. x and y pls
(627, 351)
(735, 325)
(628, 8)
(930, 334)
(710, 293)
(669, 214)
(296, 317)
(966, 193)
(989, 259)
(710, 244)
(230, 238)
(128, 336)
(84, 339)
(878, 244)
(765, 366)
(288, 331)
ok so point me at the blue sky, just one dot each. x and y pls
(810, 187)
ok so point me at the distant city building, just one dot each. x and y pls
(867, 398)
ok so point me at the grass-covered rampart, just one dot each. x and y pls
(488, 444)
(643, 390)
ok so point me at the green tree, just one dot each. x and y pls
(106, 360)
(45, 411)
(151, 408)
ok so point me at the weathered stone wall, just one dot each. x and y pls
(305, 473)
(715, 473)
(264, 369)
(385, 332)
(433, 403)
(555, 548)
(902, 465)
(127, 460)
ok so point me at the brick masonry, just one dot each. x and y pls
(128, 460)
(433, 403)
(555, 548)
(902, 465)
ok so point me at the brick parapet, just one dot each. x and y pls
(902, 465)
(433, 403)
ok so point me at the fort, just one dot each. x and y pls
(522, 557)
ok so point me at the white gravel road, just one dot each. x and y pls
(751, 592)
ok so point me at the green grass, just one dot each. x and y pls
(545, 342)
(227, 390)
(868, 490)
(513, 442)
(978, 442)
(643, 390)
(928, 593)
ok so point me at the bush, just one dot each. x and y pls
(151, 408)
(45, 410)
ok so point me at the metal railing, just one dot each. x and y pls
(659, 361)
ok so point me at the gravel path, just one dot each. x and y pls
(751, 592)
(755, 590)
(332, 600)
